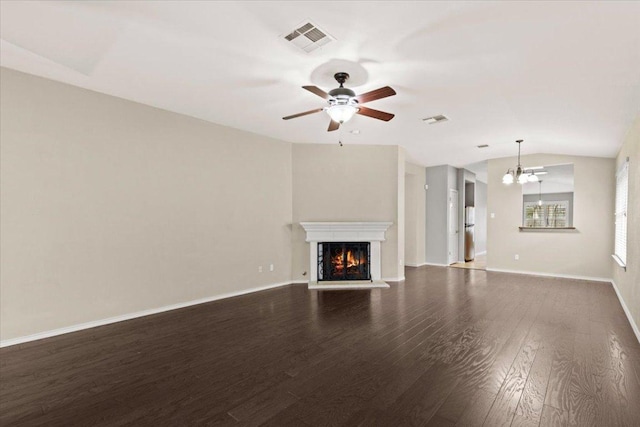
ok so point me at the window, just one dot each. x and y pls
(547, 214)
(622, 194)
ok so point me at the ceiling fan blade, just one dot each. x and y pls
(383, 92)
(317, 110)
(333, 126)
(376, 114)
(317, 91)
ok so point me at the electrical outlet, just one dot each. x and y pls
(270, 267)
(259, 269)
(493, 215)
(516, 257)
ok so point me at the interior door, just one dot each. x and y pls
(453, 226)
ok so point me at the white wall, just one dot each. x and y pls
(440, 180)
(436, 215)
(628, 282)
(481, 217)
(110, 207)
(415, 221)
(585, 252)
(349, 183)
(400, 207)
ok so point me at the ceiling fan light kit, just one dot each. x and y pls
(344, 103)
(342, 113)
(520, 174)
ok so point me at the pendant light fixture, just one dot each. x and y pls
(519, 174)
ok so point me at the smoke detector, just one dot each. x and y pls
(308, 37)
(435, 119)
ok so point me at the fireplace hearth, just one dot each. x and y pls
(344, 261)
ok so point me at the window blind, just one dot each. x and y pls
(622, 197)
(549, 214)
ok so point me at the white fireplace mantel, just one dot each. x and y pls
(373, 232)
(345, 231)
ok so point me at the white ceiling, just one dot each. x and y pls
(563, 76)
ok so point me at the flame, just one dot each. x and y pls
(351, 259)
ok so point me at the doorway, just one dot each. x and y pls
(478, 263)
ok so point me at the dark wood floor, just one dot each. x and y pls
(447, 347)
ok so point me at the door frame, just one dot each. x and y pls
(452, 219)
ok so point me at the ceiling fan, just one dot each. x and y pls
(344, 103)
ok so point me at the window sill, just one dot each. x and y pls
(619, 262)
(538, 229)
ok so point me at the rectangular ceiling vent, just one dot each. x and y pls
(308, 37)
(435, 119)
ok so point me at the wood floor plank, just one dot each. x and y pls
(437, 421)
(477, 410)
(508, 397)
(262, 407)
(535, 389)
(554, 417)
(418, 405)
(445, 347)
(624, 379)
(520, 421)
(582, 391)
(558, 387)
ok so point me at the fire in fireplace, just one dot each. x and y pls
(344, 261)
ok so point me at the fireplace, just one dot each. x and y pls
(360, 270)
(344, 261)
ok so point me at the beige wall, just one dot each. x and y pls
(400, 215)
(415, 221)
(110, 207)
(628, 282)
(349, 183)
(585, 252)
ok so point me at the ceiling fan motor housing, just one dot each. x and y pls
(341, 95)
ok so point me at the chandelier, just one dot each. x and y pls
(519, 174)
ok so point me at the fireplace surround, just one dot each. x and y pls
(335, 235)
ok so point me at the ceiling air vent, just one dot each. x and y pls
(435, 119)
(308, 37)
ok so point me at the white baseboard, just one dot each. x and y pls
(480, 253)
(436, 264)
(634, 326)
(393, 279)
(129, 316)
(562, 276)
(415, 265)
